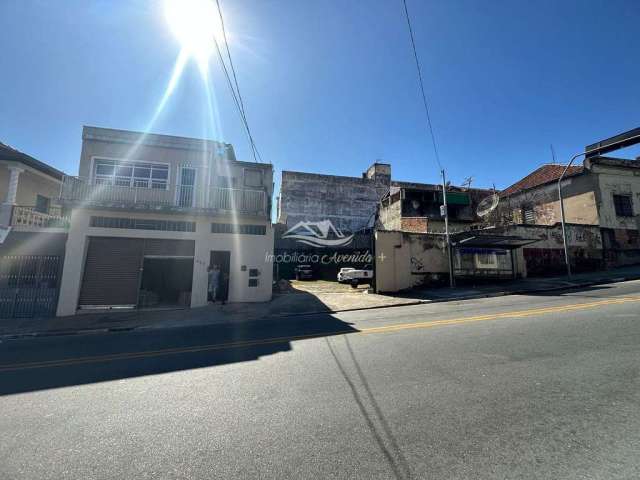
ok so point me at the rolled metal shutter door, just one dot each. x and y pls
(112, 272)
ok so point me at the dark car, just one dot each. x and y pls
(304, 272)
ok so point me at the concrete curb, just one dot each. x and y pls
(91, 331)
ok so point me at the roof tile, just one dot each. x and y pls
(541, 176)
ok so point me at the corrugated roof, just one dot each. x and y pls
(541, 176)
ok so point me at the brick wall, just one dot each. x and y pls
(414, 224)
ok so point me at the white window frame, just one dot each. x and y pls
(96, 159)
(179, 184)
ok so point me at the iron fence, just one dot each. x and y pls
(28, 285)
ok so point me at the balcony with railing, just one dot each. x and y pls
(32, 217)
(77, 191)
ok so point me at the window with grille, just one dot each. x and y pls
(623, 205)
(131, 174)
(529, 215)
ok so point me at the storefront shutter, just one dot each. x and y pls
(112, 271)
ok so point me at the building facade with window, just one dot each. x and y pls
(602, 192)
(33, 233)
(150, 213)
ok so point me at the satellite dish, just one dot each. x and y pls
(487, 205)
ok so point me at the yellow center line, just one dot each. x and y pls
(275, 340)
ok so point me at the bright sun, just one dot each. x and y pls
(196, 25)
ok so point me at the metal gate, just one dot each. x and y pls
(28, 285)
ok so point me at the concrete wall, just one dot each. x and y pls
(545, 257)
(619, 181)
(212, 164)
(252, 251)
(580, 202)
(348, 202)
(405, 260)
(30, 184)
(34, 243)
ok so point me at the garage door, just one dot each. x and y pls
(113, 267)
(111, 272)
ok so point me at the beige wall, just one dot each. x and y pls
(208, 165)
(580, 208)
(403, 260)
(580, 203)
(253, 251)
(389, 214)
(30, 184)
(612, 181)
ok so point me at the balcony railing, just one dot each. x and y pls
(236, 199)
(82, 191)
(26, 216)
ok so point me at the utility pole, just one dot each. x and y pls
(445, 211)
(626, 139)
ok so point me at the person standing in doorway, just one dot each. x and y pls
(213, 274)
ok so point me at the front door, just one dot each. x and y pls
(222, 259)
(186, 189)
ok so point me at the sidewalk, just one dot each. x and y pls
(305, 298)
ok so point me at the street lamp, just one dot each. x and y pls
(620, 141)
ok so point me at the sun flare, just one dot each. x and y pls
(196, 26)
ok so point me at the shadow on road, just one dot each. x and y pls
(376, 421)
(51, 362)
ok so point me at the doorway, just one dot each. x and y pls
(166, 282)
(186, 189)
(222, 258)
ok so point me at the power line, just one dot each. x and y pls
(424, 97)
(235, 92)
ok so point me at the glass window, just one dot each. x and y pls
(104, 169)
(123, 171)
(158, 173)
(131, 174)
(139, 172)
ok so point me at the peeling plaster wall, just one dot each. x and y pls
(580, 204)
(546, 256)
(406, 260)
(617, 181)
(349, 202)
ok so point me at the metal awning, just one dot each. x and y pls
(479, 240)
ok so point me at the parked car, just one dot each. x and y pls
(356, 276)
(303, 272)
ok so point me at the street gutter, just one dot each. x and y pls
(93, 331)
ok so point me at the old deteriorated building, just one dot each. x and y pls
(603, 192)
(415, 207)
(342, 211)
(349, 203)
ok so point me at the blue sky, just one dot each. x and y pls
(330, 86)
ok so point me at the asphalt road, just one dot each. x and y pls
(512, 387)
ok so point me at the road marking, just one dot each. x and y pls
(275, 340)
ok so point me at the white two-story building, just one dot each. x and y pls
(150, 213)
